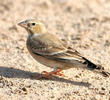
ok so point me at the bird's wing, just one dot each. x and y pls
(46, 44)
(70, 55)
(53, 48)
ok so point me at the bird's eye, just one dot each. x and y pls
(33, 24)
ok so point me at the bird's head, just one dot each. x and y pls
(33, 26)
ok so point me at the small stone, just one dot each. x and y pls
(24, 89)
(52, 96)
(77, 76)
(103, 88)
(1, 85)
(102, 93)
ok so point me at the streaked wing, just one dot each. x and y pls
(54, 49)
(70, 55)
(46, 44)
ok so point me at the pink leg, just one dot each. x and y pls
(46, 74)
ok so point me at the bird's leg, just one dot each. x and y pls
(57, 72)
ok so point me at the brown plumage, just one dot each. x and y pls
(51, 51)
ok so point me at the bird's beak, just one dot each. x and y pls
(23, 24)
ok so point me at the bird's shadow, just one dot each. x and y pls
(18, 73)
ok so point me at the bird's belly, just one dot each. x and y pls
(47, 62)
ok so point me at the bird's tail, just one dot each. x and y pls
(97, 68)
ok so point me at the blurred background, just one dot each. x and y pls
(85, 22)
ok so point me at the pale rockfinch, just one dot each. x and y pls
(51, 51)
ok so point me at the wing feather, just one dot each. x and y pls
(54, 48)
(46, 44)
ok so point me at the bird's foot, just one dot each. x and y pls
(47, 74)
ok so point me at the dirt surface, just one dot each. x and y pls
(85, 22)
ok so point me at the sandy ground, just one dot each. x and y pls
(85, 22)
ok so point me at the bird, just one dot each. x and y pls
(51, 51)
